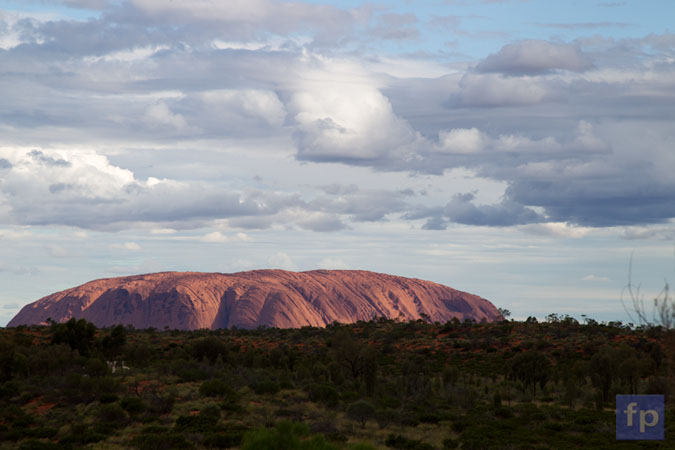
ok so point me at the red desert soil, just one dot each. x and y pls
(273, 298)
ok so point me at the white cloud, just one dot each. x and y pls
(333, 263)
(594, 278)
(342, 115)
(225, 104)
(160, 114)
(281, 260)
(461, 140)
(130, 246)
(57, 251)
(556, 230)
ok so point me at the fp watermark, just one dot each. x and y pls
(640, 417)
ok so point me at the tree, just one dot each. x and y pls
(113, 343)
(531, 368)
(79, 334)
(603, 369)
(361, 411)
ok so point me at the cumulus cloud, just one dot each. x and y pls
(342, 116)
(580, 133)
(461, 140)
(159, 115)
(82, 188)
(535, 57)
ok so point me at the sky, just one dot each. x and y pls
(523, 151)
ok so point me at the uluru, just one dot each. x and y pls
(272, 298)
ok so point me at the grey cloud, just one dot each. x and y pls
(37, 155)
(660, 234)
(58, 187)
(589, 203)
(535, 57)
(323, 223)
(70, 83)
(437, 223)
(396, 27)
(490, 90)
(461, 209)
(584, 25)
(361, 205)
(507, 213)
(446, 21)
(88, 4)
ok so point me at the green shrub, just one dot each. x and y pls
(164, 441)
(108, 398)
(211, 412)
(401, 442)
(216, 388)
(199, 424)
(361, 411)
(112, 414)
(265, 387)
(33, 444)
(133, 405)
(285, 436)
(224, 439)
(324, 393)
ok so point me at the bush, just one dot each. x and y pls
(324, 393)
(211, 412)
(164, 441)
(33, 444)
(133, 405)
(285, 436)
(361, 411)
(265, 387)
(216, 388)
(199, 424)
(226, 439)
(401, 442)
(108, 398)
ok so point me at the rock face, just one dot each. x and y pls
(274, 298)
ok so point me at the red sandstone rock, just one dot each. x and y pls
(274, 298)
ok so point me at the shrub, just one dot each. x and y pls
(149, 441)
(285, 436)
(133, 405)
(199, 424)
(215, 388)
(112, 414)
(324, 393)
(33, 444)
(226, 439)
(265, 387)
(361, 411)
(401, 442)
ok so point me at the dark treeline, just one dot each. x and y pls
(370, 385)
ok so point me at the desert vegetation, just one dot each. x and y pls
(380, 384)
